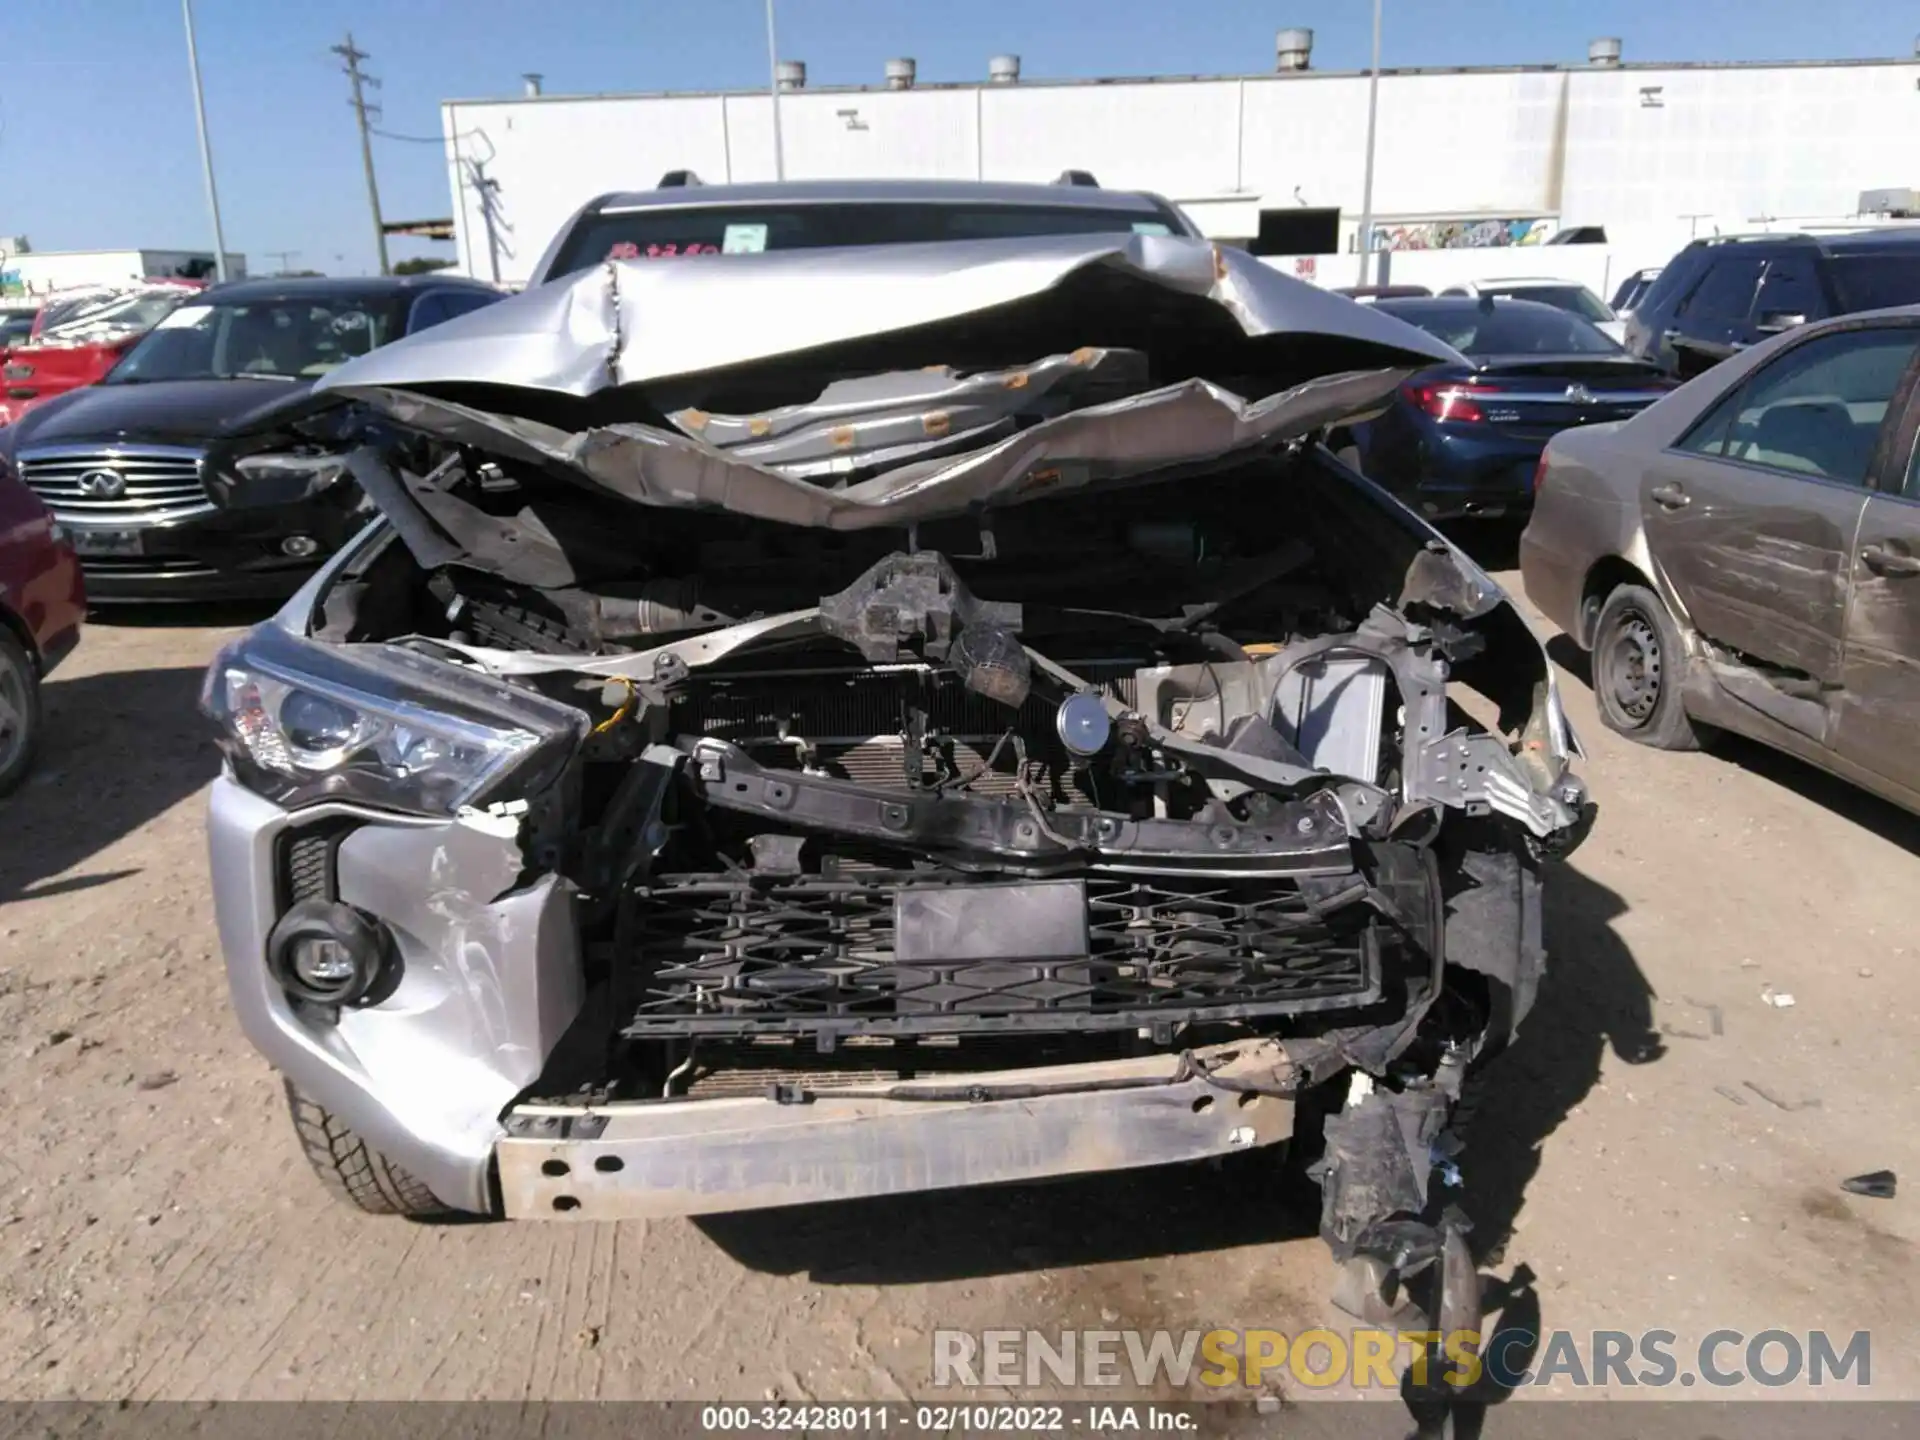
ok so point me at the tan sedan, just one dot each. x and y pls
(1745, 554)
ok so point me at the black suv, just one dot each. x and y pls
(204, 467)
(683, 216)
(1721, 295)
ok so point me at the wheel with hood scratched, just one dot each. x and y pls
(19, 712)
(1638, 663)
(352, 1169)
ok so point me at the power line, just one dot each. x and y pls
(426, 139)
(352, 55)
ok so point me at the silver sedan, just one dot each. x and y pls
(1745, 554)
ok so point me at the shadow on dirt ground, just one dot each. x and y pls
(1869, 812)
(117, 750)
(1595, 999)
(1009, 1229)
(182, 615)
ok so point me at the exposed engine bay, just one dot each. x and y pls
(1050, 705)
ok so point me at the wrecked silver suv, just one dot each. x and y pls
(844, 723)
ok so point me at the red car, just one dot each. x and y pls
(78, 338)
(42, 604)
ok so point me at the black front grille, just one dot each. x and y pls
(737, 955)
(310, 867)
(307, 862)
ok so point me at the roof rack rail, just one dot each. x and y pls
(1078, 177)
(678, 179)
(1754, 237)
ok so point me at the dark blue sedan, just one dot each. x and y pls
(1465, 440)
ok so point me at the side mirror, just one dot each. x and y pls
(1772, 322)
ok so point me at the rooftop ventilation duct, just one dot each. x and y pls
(900, 73)
(531, 80)
(1292, 49)
(791, 74)
(1604, 51)
(1003, 70)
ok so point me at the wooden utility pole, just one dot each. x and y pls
(353, 56)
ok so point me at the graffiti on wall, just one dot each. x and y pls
(1461, 234)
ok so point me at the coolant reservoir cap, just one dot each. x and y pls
(1083, 724)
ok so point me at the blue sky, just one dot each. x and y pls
(97, 144)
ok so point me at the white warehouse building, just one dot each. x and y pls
(1465, 158)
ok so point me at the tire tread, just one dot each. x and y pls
(353, 1170)
(14, 655)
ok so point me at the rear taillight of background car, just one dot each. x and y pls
(1449, 401)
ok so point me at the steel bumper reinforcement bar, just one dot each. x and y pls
(647, 1159)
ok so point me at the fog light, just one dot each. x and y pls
(328, 953)
(300, 546)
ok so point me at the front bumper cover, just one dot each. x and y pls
(491, 978)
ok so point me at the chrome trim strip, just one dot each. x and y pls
(112, 452)
(155, 519)
(1600, 399)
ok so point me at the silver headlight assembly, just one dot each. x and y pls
(301, 722)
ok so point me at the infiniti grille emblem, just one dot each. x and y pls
(102, 484)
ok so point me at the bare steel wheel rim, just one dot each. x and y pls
(13, 713)
(1634, 669)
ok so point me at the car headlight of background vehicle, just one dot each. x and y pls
(282, 479)
(302, 722)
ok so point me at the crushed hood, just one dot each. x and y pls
(847, 389)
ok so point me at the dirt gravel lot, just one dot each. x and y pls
(1664, 1150)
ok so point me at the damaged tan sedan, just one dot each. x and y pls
(846, 723)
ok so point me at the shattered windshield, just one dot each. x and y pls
(284, 339)
(663, 232)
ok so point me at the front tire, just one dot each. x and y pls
(1638, 661)
(19, 712)
(353, 1170)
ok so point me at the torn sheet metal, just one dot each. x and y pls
(927, 442)
(1176, 425)
(630, 323)
(878, 421)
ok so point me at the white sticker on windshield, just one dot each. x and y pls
(744, 240)
(1150, 227)
(185, 317)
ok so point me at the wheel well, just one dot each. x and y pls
(17, 628)
(1606, 577)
